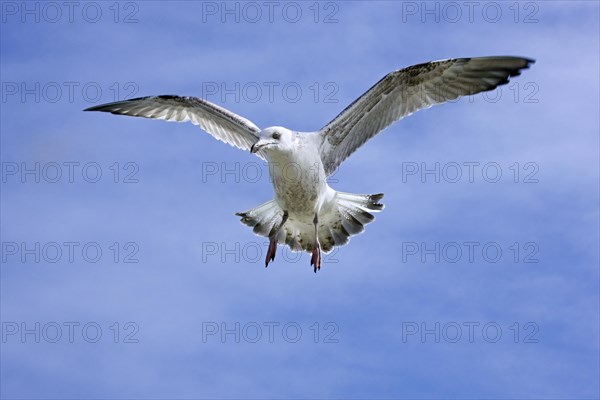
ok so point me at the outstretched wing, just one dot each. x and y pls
(405, 91)
(219, 122)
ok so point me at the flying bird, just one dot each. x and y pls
(306, 213)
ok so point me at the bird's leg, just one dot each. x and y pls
(273, 240)
(315, 260)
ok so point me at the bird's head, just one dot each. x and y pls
(274, 138)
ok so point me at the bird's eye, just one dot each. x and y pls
(276, 135)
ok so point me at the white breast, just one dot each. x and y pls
(298, 178)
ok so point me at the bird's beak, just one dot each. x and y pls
(258, 145)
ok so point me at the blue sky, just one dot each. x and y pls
(392, 322)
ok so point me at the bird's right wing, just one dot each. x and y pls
(218, 121)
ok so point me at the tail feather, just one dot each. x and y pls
(352, 214)
(347, 217)
(367, 201)
(264, 219)
(339, 237)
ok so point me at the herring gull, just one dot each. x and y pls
(306, 213)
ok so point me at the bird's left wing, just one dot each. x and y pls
(221, 123)
(405, 91)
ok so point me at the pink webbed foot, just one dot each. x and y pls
(315, 260)
(271, 251)
(273, 241)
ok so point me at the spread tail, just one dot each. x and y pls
(346, 217)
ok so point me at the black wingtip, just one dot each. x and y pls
(105, 107)
(517, 71)
(529, 62)
(109, 107)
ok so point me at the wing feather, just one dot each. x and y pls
(405, 91)
(221, 123)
